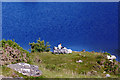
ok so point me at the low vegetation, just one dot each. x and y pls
(93, 65)
(11, 52)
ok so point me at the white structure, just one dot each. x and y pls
(111, 58)
(63, 50)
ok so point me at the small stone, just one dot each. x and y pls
(80, 61)
(104, 72)
(107, 75)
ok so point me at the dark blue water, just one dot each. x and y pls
(90, 26)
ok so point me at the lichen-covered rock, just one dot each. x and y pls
(26, 69)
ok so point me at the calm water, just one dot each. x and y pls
(90, 26)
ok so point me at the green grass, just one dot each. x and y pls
(64, 65)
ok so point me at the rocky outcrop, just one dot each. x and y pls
(26, 69)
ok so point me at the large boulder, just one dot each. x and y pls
(26, 69)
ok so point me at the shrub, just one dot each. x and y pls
(40, 46)
(14, 53)
(107, 53)
(99, 57)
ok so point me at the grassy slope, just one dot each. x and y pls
(64, 65)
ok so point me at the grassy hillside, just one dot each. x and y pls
(65, 66)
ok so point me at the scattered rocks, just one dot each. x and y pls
(26, 69)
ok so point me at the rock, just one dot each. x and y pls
(92, 73)
(89, 73)
(104, 72)
(80, 61)
(107, 75)
(1, 77)
(27, 66)
(14, 75)
(2, 63)
(26, 69)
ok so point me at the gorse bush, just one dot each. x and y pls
(40, 46)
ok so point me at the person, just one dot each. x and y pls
(59, 46)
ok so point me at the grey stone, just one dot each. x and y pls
(26, 69)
